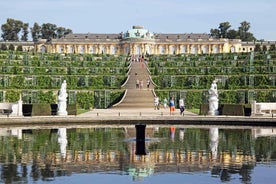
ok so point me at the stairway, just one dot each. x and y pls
(137, 97)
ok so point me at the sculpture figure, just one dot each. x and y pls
(213, 99)
(62, 100)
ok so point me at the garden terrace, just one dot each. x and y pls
(39, 76)
(242, 77)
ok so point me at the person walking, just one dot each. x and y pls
(156, 103)
(148, 83)
(171, 105)
(165, 103)
(181, 106)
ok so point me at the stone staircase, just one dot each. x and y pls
(137, 97)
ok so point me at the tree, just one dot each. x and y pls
(3, 47)
(11, 29)
(264, 48)
(48, 31)
(215, 33)
(224, 32)
(257, 48)
(61, 31)
(272, 47)
(25, 32)
(232, 34)
(243, 32)
(11, 47)
(36, 32)
(223, 27)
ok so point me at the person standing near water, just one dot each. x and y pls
(171, 105)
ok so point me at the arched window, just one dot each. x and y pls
(127, 50)
(204, 49)
(112, 50)
(43, 49)
(183, 49)
(60, 49)
(70, 49)
(172, 49)
(91, 50)
(81, 49)
(215, 49)
(161, 50)
(194, 49)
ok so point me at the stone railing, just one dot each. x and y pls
(263, 108)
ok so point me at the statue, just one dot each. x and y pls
(62, 99)
(213, 99)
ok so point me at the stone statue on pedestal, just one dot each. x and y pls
(62, 99)
(213, 99)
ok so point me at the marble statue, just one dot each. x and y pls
(62, 100)
(213, 99)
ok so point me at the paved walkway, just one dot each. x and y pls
(149, 112)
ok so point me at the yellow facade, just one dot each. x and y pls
(139, 41)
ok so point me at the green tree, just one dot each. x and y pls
(61, 31)
(272, 47)
(48, 31)
(36, 32)
(25, 32)
(264, 48)
(215, 33)
(257, 48)
(232, 34)
(3, 46)
(11, 29)
(11, 47)
(223, 28)
(244, 33)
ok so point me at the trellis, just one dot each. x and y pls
(102, 99)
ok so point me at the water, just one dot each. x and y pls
(174, 154)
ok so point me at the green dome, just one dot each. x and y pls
(138, 32)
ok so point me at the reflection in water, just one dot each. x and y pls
(214, 138)
(62, 140)
(64, 152)
(181, 133)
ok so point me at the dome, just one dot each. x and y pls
(138, 32)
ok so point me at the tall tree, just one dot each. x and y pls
(215, 33)
(61, 31)
(11, 29)
(48, 31)
(223, 27)
(25, 32)
(243, 31)
(232, 34)
(36, 32)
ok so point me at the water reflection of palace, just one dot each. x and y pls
(176, 154)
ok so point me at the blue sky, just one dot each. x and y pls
(159, 16)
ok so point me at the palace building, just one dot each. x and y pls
(138, 41)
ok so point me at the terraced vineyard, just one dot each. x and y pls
(95, 80)
(38, 77)
(242, 77)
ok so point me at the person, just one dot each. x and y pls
(156, 103)
(141, 84)
(148, 83)
(165, 101)
(137, 84)
(171, 104)
(181, 106)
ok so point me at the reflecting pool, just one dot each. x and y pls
(173, 154)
